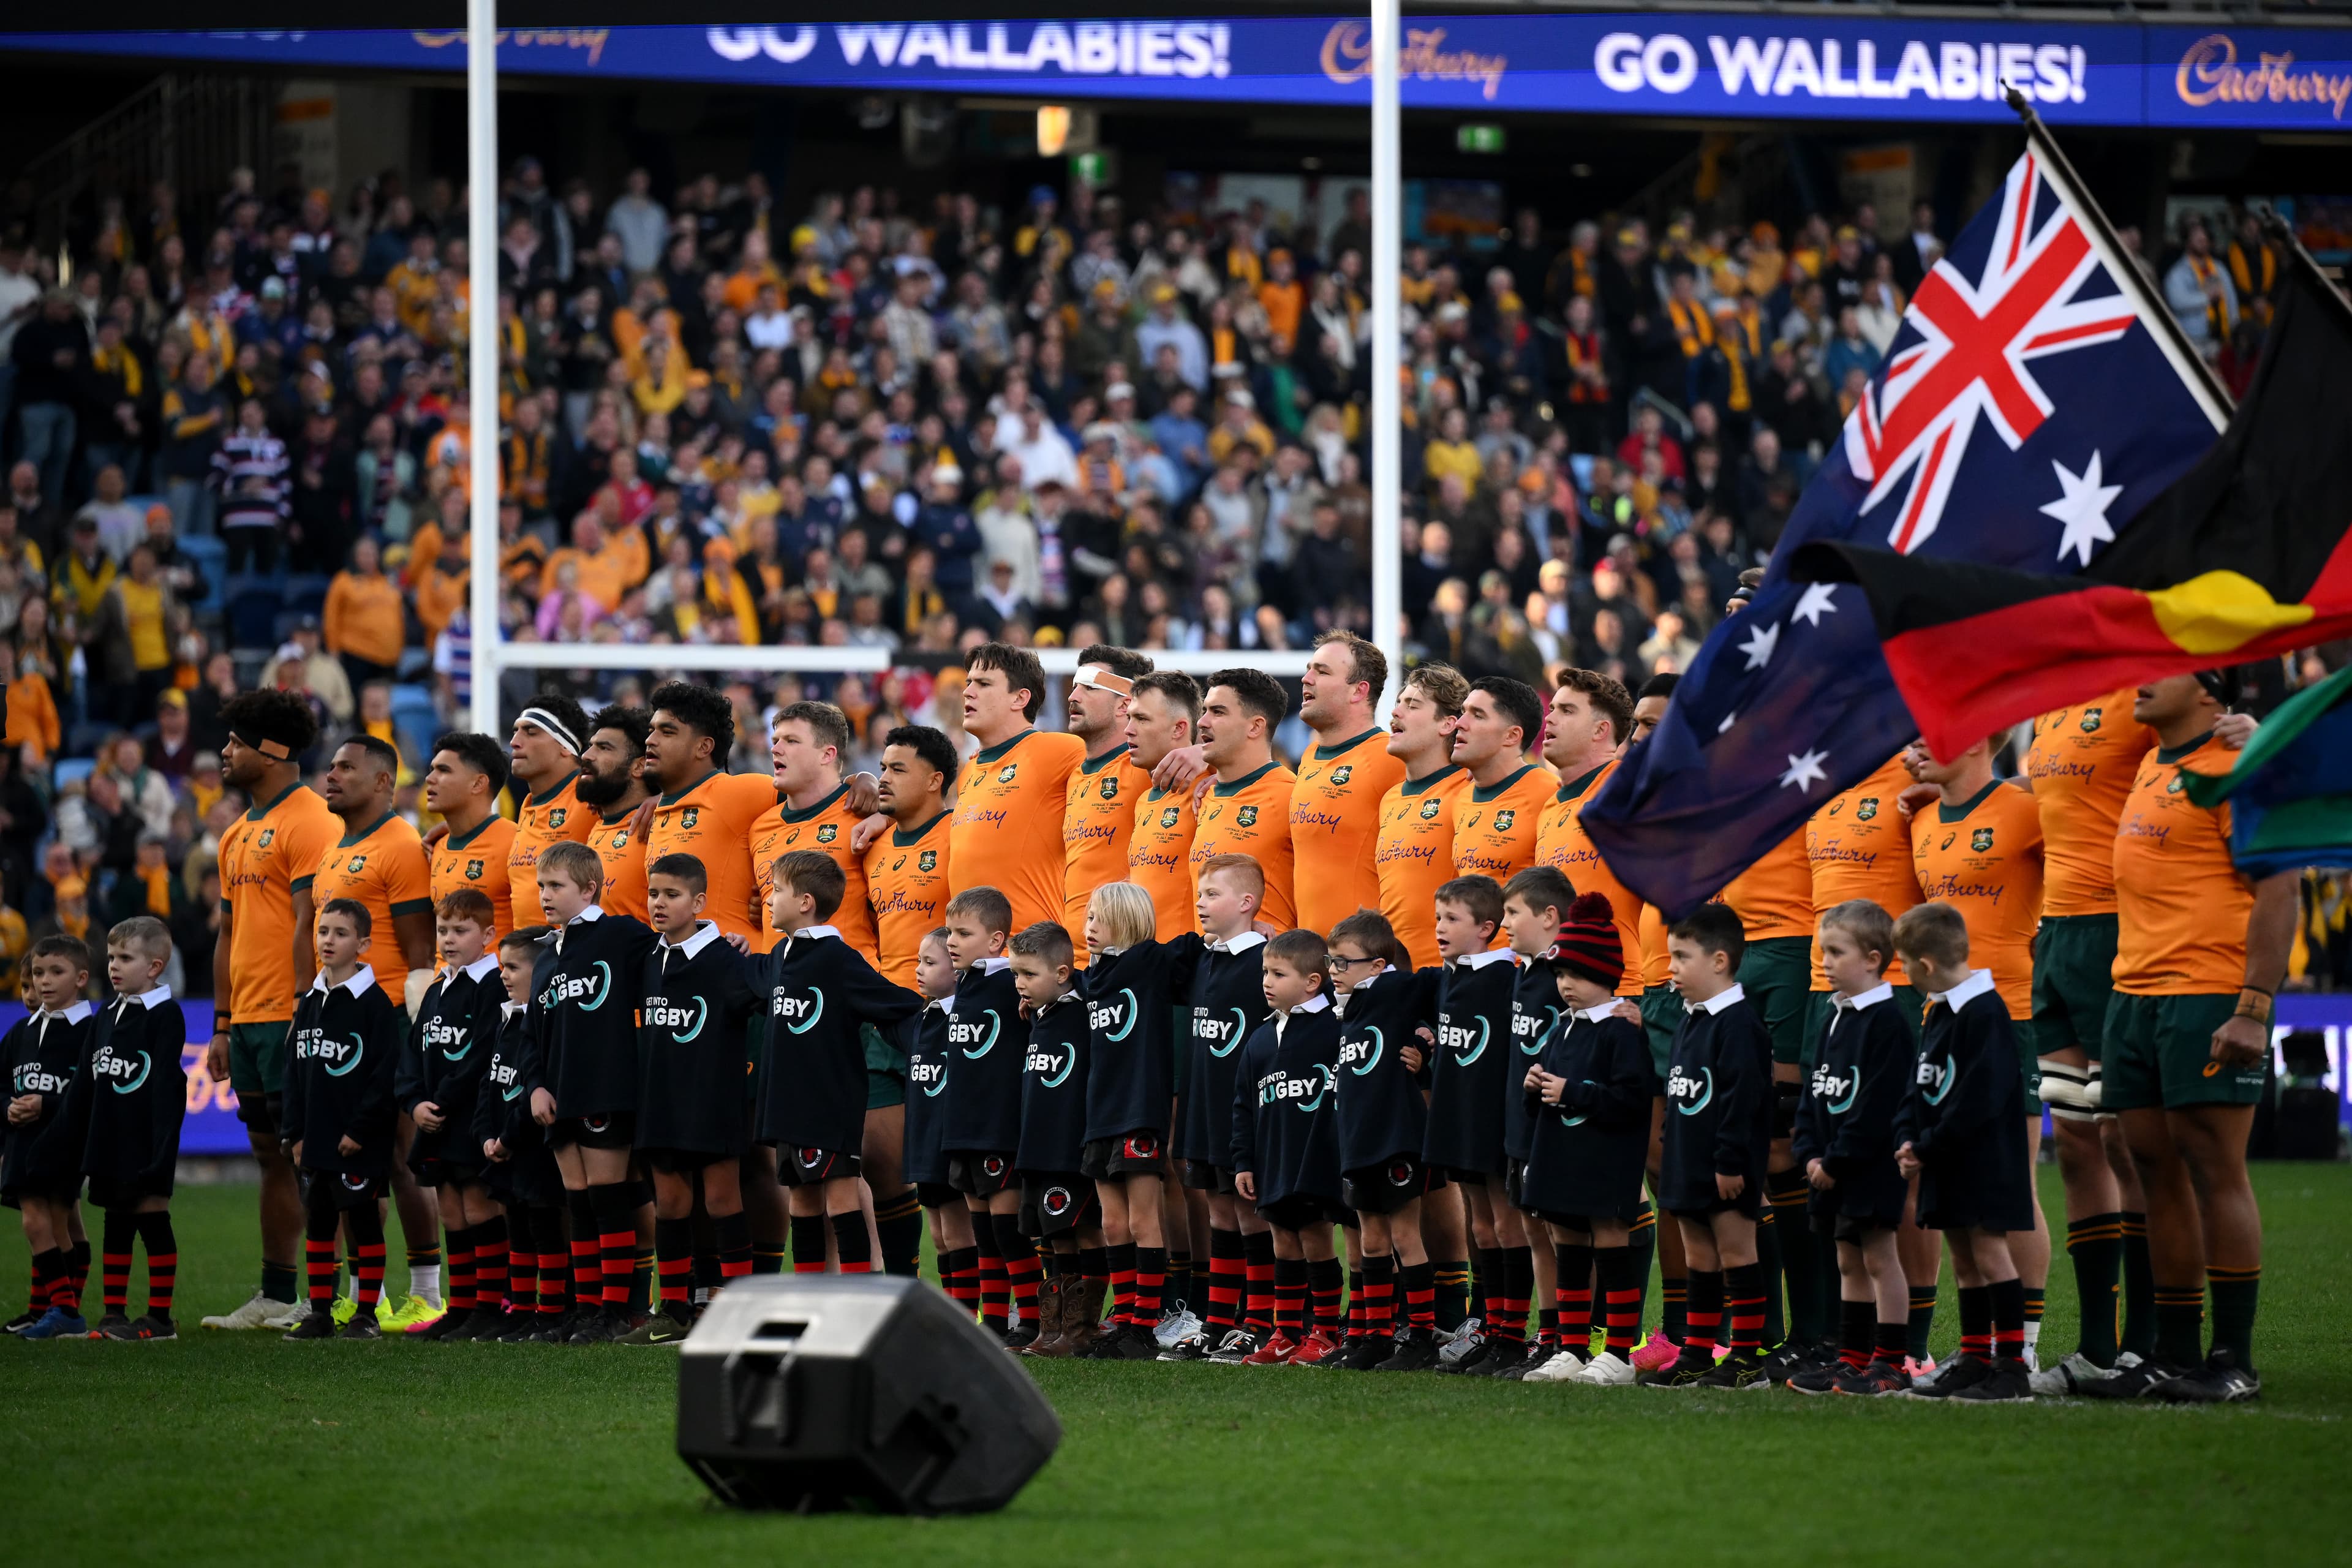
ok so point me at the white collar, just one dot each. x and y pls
(73, 1014)
(1978, 983)
(151, 999)
(1319, 1003)
(944, 1004)
(1882, 992)
(1595, 1015)
(1722, 999)
(988, 966)
(508, 1009)
(810, 934)
(1478, 961)
(1359, 985)
(473, 971)
(1242, 944)
(362, 979)
(705, 933)
(593, 912)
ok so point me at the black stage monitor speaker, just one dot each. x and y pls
(822, 1392)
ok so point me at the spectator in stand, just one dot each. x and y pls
(363, 616)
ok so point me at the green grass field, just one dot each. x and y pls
(228, 1448)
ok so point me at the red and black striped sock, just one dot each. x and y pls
(487, 1286)
(960, 1278)
(615, 1210)
(1150, 1284)
(1380, 1292)
(732, 1232)
(1518, 1290)
(1620, 1298)
(78, 1264)
(119, 1235)
(1703, 1322)
(1357, 1315)
(37, 1288)
(1226, 1273)
(321, 1225)
(1673, 1303)
(1894, 1343)
(587, 1256)
(1493, 1277)
(1572, 1295)
(461, 1296)
(674, 1250)
(1323, 1287)
(850, 1241)
(2008, 1302)
(1122, 1283)
(808, 1243)
(552, 1254)
(1021, 1266)
(1289, 1295)
(367, 1257)
(1743, 1292)
(1976, 1321)
(1420, 1280)
(1857, 1323)
(1257, 1277)
(898, 1222)
(995, 1288)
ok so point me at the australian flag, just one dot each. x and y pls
(2036, 396)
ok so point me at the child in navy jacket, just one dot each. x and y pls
(1286, 1154)
(130, 1094)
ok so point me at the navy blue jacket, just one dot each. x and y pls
(1472, 1070)
(924, 1039)
(1053, 1084)
(985, 1056)
(1130, 999)
(820, 990)
(1961, 1116)
(41, 1053)
(1845, 1118)
(1381, 1112)
(694, 1057)
(1719, 1096)
(585, 1005)
(442, 1061)
(1535, 1011)
(1227, 1003)
(1286, 1130)
(1589, 1151)
(341, 1058)
(130, 1094)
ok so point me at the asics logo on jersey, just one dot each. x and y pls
(800, 1014)
(660, 1012)
(1690, 1094)
(1352, 1052)
(1936, 1079)
(121, 1074)
(1222, 1038)
(1836, 1089)
(964, 1032)
(1103, 1015)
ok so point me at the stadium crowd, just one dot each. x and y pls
(236, 439)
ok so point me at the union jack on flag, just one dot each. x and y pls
(2036, 396)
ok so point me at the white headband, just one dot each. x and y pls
(1102, 680)
(552, 725)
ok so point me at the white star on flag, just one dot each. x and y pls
(1724, 728)
(1805, 771)
(2082, 509)
(1821, 599)
(1759, 644)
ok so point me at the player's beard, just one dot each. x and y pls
(600, 790)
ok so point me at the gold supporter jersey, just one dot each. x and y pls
(711, 820)
(2182, 903)
(555, 816)
(1775, 896)
(1859, 846)
(1159, 855)
(382, 869)
(908, 877)
(267, 855)
(1251, 816)
(622, 849)
(1983, 857)
(1335, 827)
(1561, 842)
(2082, 763)
(1098, 820)
(478, 859)
(1007, 828)
(1414, 855)
(1494, 830)
(825, 826)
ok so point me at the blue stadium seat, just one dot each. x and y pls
(70, 770)
(416, 721)
(211, 559)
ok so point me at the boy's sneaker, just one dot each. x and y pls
(1561, 1365)
(1537, 1355)
(1192, 1347)
(661, 1329)
(2220, 1380)
(555, 1329)
(1017, 1341)
(57, 1323)
(1134, 1342)
(345, 1308)
(518, 1327)
(2069, 1375)
(1178, 1322)
(1879, 1379)
(1607, 1370)
(1274, 1352)
(1235, 1348)
(1818, 1379)
(1365, 1352)
(2008, 1383)
(1469, 1362)
(1462, 1340)
(1916, 1368)
(450, 1323)
(108, 1324)
(1655, 1353)
(23, 1319)
(1687, 1367)
(147, 1326)
(1505, 1359)
(1962, 1371)
(1318, 1349)
(259, 1311)
(315, 1325)
(597, 1326)
(1785, 1362)
(2141, 1380)
(413, 1312)
(1416, 1351)
(1741, 1368)
(364, 1326)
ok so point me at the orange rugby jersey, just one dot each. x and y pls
(1657, 964)
(1860, 848)
(2183, 907)
(478, 859)
(1414, 855)
(1159, 859)
(826, 828)
(623, 850)
(1775, 896)
(1561, 842)
(267, 855)
(711, 820)
(1984, 858)
(552, 816)
(1098, 820)
(1007, 829)
(1335, 827)
(1251, 816)
(2083, 763)
(1494, 830)
(382, 869)
(907, 879)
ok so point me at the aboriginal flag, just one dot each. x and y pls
(2244, 557)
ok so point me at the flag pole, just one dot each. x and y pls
(2186, 360)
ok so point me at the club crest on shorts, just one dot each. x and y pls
(828, 833)
(1341, 774)
(555, 818)
(929, 861)
(1430, 808)
(1400, 1172)
(1980, 840)
(1503, 820)
(1167, 818)
(992, 1168)
(1865, 808)
(1143, 1146)
(595, 1124)
(1056, 1202)
(1004, 774)
(690, 816)
(808, 1159)
(2091, 720)
(353, 1184)
(474, 870)
(1246, 817)
(1111, 787)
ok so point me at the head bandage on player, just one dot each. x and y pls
(1102, 680)
(552, 725)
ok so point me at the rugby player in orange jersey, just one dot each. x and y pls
(610, 785)
(1006, 833)
(1414, 852)
(1159, 715)
(1979, 848)
(2200, 955)
(1099, 810)
(1335, 805)
(543, 764)
(1246, 809)
(807, 743)
(906, 870)
(1584, 732)
(462, 785)
(1494, 821)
